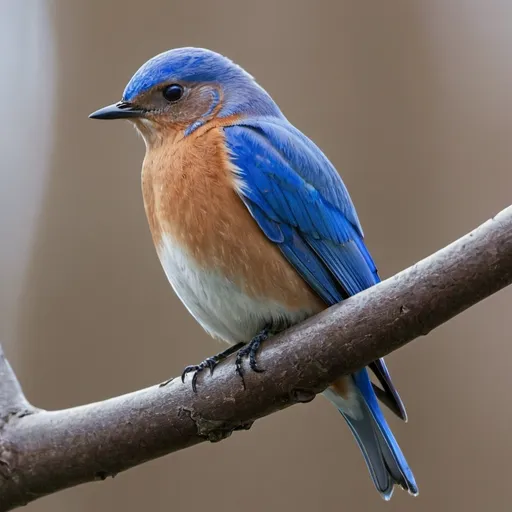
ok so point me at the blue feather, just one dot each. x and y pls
(302, 257)
(310, 165)
(392, 454)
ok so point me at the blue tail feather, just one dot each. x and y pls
(386, 462)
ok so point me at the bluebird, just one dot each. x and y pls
(253, 226)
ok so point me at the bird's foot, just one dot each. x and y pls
(209, 362)
(250, 350)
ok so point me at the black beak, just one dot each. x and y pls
(120, 110)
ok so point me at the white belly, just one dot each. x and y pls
(216, 303)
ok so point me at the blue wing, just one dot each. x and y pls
(300, 202)
(296, 196)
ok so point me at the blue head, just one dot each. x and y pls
(182, 89)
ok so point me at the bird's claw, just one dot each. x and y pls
(210, 362)
(250, 350)
(244, 350)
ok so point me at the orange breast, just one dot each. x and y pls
(189, 194)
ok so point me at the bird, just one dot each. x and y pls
(253, 226)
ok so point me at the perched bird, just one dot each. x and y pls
(253, 226)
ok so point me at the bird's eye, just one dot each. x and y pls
(173, 92)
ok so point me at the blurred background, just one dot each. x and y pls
(411, 100)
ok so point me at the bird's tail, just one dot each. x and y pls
(355, 398)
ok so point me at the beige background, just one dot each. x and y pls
(410, 99)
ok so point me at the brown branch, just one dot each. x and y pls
(42, 452)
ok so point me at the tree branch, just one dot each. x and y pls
(42, 452)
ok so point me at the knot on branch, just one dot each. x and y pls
(215, 430)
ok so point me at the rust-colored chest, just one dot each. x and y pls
(190, 197)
